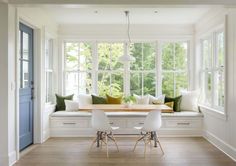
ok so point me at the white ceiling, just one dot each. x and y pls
(173, 15)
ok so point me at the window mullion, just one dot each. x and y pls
(174, 74)
(95, 67)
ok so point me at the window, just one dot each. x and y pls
(174, 68)
(49, 70)
(110, 70)
(94, 67)
(78, 65)
(143, 70)
(212, 72)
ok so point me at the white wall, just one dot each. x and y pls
(220, 129)
(7, 88)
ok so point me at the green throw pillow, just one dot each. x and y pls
(176, 100)
(61, 101)
(98, 100)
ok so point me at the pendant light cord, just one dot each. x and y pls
(128, 23)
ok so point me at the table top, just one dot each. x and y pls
(122, 107)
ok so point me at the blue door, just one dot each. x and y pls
(26, 86)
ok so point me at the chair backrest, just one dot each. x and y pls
(152, 121)
(100, 121)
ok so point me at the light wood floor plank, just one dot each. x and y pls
(75, 152)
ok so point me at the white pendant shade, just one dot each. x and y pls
(126, 58)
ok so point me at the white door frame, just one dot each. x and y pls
(37, 52)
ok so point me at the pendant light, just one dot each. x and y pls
(127, 57)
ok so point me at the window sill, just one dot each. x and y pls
(214, 112)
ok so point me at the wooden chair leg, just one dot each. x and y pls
(160, 146)
(145, 148)
(113, 138)
(107, 144)
(141, 138)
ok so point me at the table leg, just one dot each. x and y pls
(155, 138)
(98, 138)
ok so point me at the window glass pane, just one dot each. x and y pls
(103, 83)
(117, 50)
(181, 80)
(49, 54)
(136, 50)
(117, 84)
(85, 83)
(207, 53)
(71, 56)
(220, 89)
(25, 74)
(85, 56)
(208, 88)
(25, 46)
(104, 56)
(136, 83)
(168, 84)
(220, 49)
(149, 86)
(149, 54)
(168, 56)
(71, 84)
(49, 90)
(181, 56)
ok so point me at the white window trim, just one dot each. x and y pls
(217, 110)
(49, 37)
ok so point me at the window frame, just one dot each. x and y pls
(212, 35)
(174, 71)
(49, 70)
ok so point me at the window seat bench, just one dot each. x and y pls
(78, 124)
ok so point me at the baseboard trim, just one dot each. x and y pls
(46, 135)
(220, 144)
(12, 158)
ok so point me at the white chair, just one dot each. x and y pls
(104, 130)
(149, 130)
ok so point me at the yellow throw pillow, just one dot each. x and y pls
(113, 100)
(171, 105)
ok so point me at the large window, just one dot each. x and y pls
(49, 70)
(94, 67)
(212, 71)
(174, 67)
(143, 70)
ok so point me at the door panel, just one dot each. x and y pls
(26, 86)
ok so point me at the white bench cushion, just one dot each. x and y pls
(125, 114)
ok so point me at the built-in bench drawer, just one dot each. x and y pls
(183, 123)
(70, 123)
(135, 123)
(117, 122)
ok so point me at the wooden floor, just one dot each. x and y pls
(74, 152)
